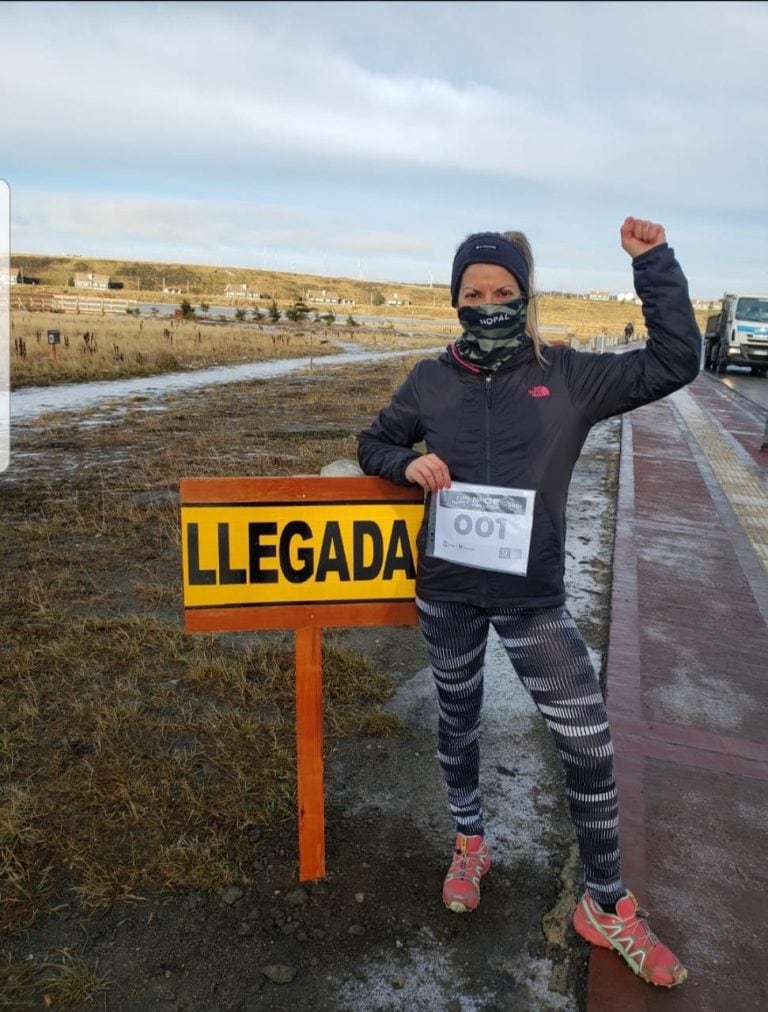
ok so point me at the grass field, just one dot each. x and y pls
(136, 757)
(109, 347)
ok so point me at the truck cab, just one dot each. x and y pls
(738, 335)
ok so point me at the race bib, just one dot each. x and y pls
(482, 526)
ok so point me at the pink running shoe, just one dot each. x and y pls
(471, 860)
(628, 932)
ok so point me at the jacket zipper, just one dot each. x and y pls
(488, 416)
(488, 440)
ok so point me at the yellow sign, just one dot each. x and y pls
(297, 553)
(303, 553)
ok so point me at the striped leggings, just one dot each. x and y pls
(552, 661)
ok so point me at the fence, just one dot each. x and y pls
(77, 304)
(594, 342)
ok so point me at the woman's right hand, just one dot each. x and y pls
(639, 235)
(429, 471)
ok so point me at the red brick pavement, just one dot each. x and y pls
(687, 691)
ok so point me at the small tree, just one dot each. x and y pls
(351, 322)
(256, 315)
(298, 311)
(187, 309)
(273, 312)
(239, 315)
(204, 307)
(377, 298)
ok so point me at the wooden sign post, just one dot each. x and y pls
(54, 338)
(302, 553)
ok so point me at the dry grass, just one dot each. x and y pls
(139, 755)
(110, 347)
(113, 346)
(136, 757)
(63, 981)
(585, 318)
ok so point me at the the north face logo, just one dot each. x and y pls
(539, 391)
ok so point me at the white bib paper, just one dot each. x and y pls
(482, 526)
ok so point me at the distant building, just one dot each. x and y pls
(171, 291)
(87, 279)
(397, 300)
(329, 298)
(600, 296)
(242, 292)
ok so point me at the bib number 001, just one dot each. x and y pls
(483, 526)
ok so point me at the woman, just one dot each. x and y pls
(498, 410)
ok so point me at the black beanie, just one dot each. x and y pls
(488, 248)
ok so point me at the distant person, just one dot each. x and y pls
(629, 332)
(500, 408)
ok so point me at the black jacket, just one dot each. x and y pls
(524, 425)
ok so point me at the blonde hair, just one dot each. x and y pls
(532, 315)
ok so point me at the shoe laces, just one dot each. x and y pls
(639, 928)
(467, 864)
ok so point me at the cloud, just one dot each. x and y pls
(205, 231)
(192, 91)
(399, 125)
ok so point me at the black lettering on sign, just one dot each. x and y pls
(258, 552)
(399, 554)
(362, 531)
(296, 574)
(197, 577)
(227, 575)
(332, 558)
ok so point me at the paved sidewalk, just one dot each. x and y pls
(687, 685)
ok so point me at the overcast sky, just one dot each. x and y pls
(367, 139)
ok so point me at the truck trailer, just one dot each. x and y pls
(738, 335)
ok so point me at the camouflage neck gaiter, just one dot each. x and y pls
(491, 333)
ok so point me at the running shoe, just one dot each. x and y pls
(628, 932)
(471, 860)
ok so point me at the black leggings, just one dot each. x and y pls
(553, 664)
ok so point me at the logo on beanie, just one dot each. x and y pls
(539, 391)
(487, 249)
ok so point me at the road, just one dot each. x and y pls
(741, 381)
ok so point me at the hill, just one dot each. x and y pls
(170, 283)
(198, 282)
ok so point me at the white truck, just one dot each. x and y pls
(738, 335)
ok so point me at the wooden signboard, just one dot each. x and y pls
(301, 553)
